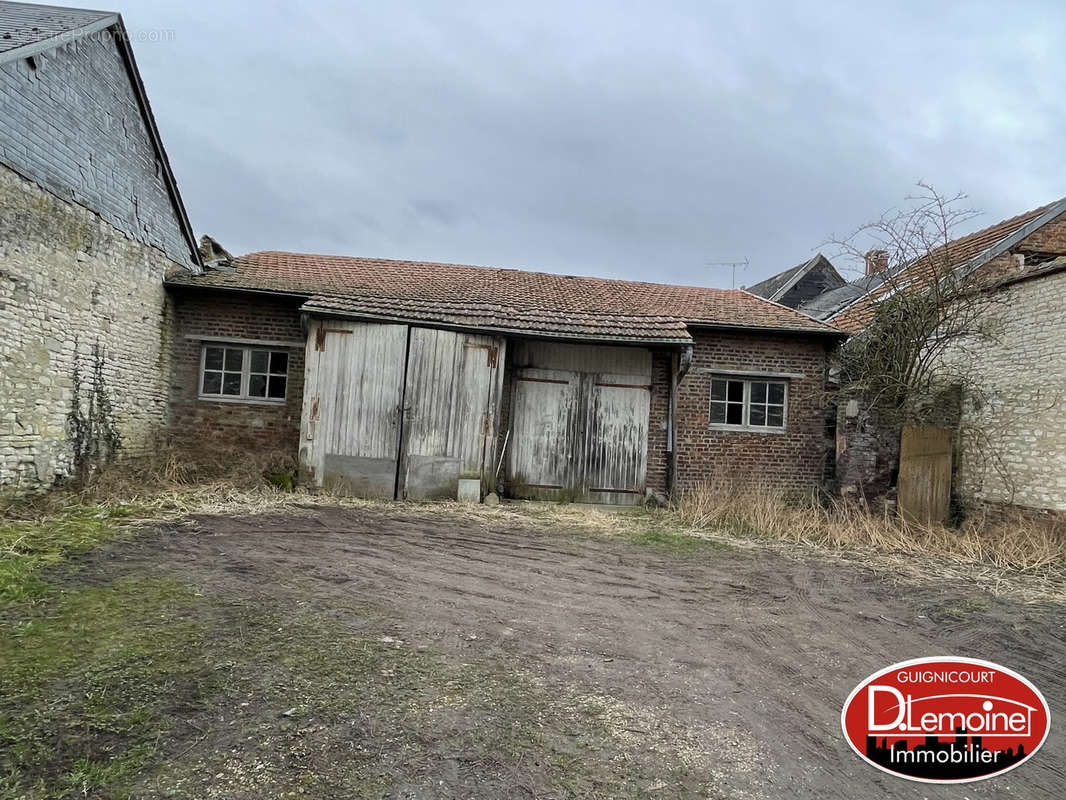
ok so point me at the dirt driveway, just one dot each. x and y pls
(493, 660)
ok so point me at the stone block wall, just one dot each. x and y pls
(793, 459)
(1012, 438)
(85, 323)
(221, 317)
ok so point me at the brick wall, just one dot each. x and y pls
(235, 318)
(658, 474)
(793, 459)
(73, 125)
(79, 301)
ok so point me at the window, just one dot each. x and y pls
(244, 373)
(742, 403)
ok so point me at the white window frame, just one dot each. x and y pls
(747, 380)
(246, 372)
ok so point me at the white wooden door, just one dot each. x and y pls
(351, 420)
(449, 411)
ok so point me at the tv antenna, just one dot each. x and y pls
(732, 266)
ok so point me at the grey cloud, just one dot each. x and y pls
(637, 141)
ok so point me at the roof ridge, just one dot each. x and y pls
(490, 268)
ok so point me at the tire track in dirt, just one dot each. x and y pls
(763, 644)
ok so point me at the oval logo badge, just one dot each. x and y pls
(945, 720)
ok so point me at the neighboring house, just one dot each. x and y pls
(803, 282)
(395, 378)
(1011, 446)
(90, 224)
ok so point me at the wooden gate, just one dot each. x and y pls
(924, 474)
(579, 424)
(450, 411)
(351, 418)
(395, 411)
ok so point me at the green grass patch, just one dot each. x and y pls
(90, 680)
(28, 546)
(678, 544)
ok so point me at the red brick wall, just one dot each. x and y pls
(793, 459)
(659, 417)
(254, 425)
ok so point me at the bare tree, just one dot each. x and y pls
(927, 306)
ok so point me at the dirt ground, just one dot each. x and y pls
(484, 659)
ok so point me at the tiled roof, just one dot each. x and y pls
(23, 25)
(502, 299)
(852, 306)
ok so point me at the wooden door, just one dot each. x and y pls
(615, 451)
(351, 421)
(546, 429)
(450, 403)
(924, 474)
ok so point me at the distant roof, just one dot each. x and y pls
(851, 306)
(27, 29)
(506, 300)
(776, 286)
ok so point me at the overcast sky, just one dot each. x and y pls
(635, 140)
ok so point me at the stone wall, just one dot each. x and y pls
(210, 317)
(84, 318)
(72, 123)
(1012, 439)
(793, 459)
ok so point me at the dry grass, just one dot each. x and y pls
(1007, 541)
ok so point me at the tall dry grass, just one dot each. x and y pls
(180, 477)
(1007, 540)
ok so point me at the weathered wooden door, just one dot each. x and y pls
(449, 411)
(579, 425)
(546, 431)
(351, 421)
(924, 474)
(615, 450)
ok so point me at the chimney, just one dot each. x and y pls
(876, 260)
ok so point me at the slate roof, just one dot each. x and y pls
(851, 306)
(772, 285)
(506, 300)
(26, 29)
(777, 286)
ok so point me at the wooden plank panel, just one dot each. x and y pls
(351, 418)
(925, 474)
(584, 358)
(616, 439)
(450, 409)
(546, 427)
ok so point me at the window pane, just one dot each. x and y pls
(718, 390)
(735, 413)
(736, 391)
(757, 415)
(775, 416)
(279, 363)
(260, 358)
(234, 358)
(277, 386)
(213, 382)
(231, 383)
(777, 393)
(213, 358)
(257, 385)
(758, 392)
(718, 412)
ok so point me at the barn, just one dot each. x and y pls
(396, 378)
